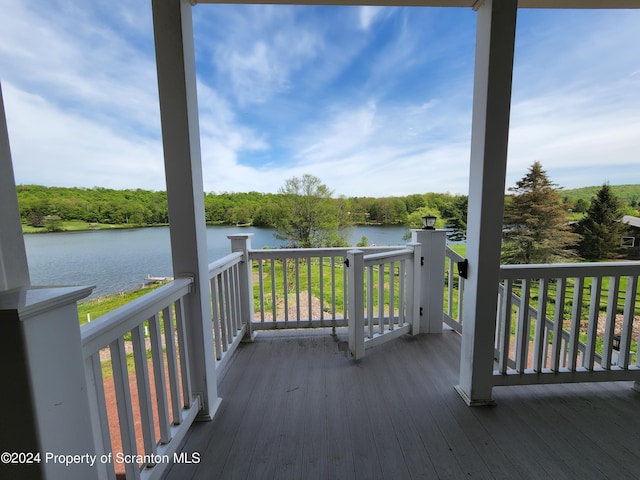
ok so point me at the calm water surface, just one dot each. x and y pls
(118, 260)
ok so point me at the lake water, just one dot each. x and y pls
(119, 260)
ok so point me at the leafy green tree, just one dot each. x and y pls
(364, 242)
(52, 223)
(389, 211)
(601, 229)
(581, 206)
(415, 219)
(536, 229)
(414, 202)
(35, 219)
(310, 218)
(361, 209)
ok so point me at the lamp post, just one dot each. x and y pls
(429, 222)
(433, 245)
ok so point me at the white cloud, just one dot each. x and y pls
(576, 132)
(51, 146)
(576, 100)
(386, 150)
(256, 49)
(368, 16)
(81, 97)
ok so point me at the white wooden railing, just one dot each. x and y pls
(145, 344)
(454, 290)
(382, 288)
(227, 279)
(562, 323)
(301, 287)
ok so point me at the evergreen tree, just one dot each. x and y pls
(455, 215)
(601, 229)
(536, 229)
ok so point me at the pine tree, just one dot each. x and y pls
(601, 229)
(536, 229)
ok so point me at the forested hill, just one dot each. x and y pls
(579, 199)
(629, 194)
(94, 205)
(39, 205)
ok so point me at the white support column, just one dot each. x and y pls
(434, 243)
(489, 139)
(242, 243)
(415, 288)
(355, 307)
(173, 32)
(44, 401)
(14, 271)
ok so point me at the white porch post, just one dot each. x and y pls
(41, 359)
(489, 139)
(355, 306)
(14, 271)
(173, 32)
(45, 399)
(242, 243)
(434, 243)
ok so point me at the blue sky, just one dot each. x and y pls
(373, 101)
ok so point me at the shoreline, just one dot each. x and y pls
(68, 226)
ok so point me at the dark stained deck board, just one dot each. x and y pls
(413, 382)
(455, 436)
(447, 359)
(339, 460)
(583, 456)
(315, 449)
(379, 405)
(297, 403)
(613, 439)
(396, 399)
(294, 406)
(257, 443)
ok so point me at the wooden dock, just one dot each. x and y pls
(149, 279)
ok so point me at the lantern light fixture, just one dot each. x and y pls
(429, 222)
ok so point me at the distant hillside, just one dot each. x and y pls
(630, 194)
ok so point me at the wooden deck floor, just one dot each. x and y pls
(294, 407)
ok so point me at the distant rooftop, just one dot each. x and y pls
(631, 220)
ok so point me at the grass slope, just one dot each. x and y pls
(627, 193)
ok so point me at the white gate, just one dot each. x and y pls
(383, 294)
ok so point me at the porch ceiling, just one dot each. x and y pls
(565, 4)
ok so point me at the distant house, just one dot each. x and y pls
(632, 237)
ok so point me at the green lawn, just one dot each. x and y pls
(97, 307)
(584, 308)
(78, 225)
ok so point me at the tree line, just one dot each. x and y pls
(40, 204)
(542, 223)
(92, 205)
(538, 226)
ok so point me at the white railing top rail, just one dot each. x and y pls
(453, 255)
(218, 266)
(314, 252)
(385, 257)
(113, 325)
(570, 270)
